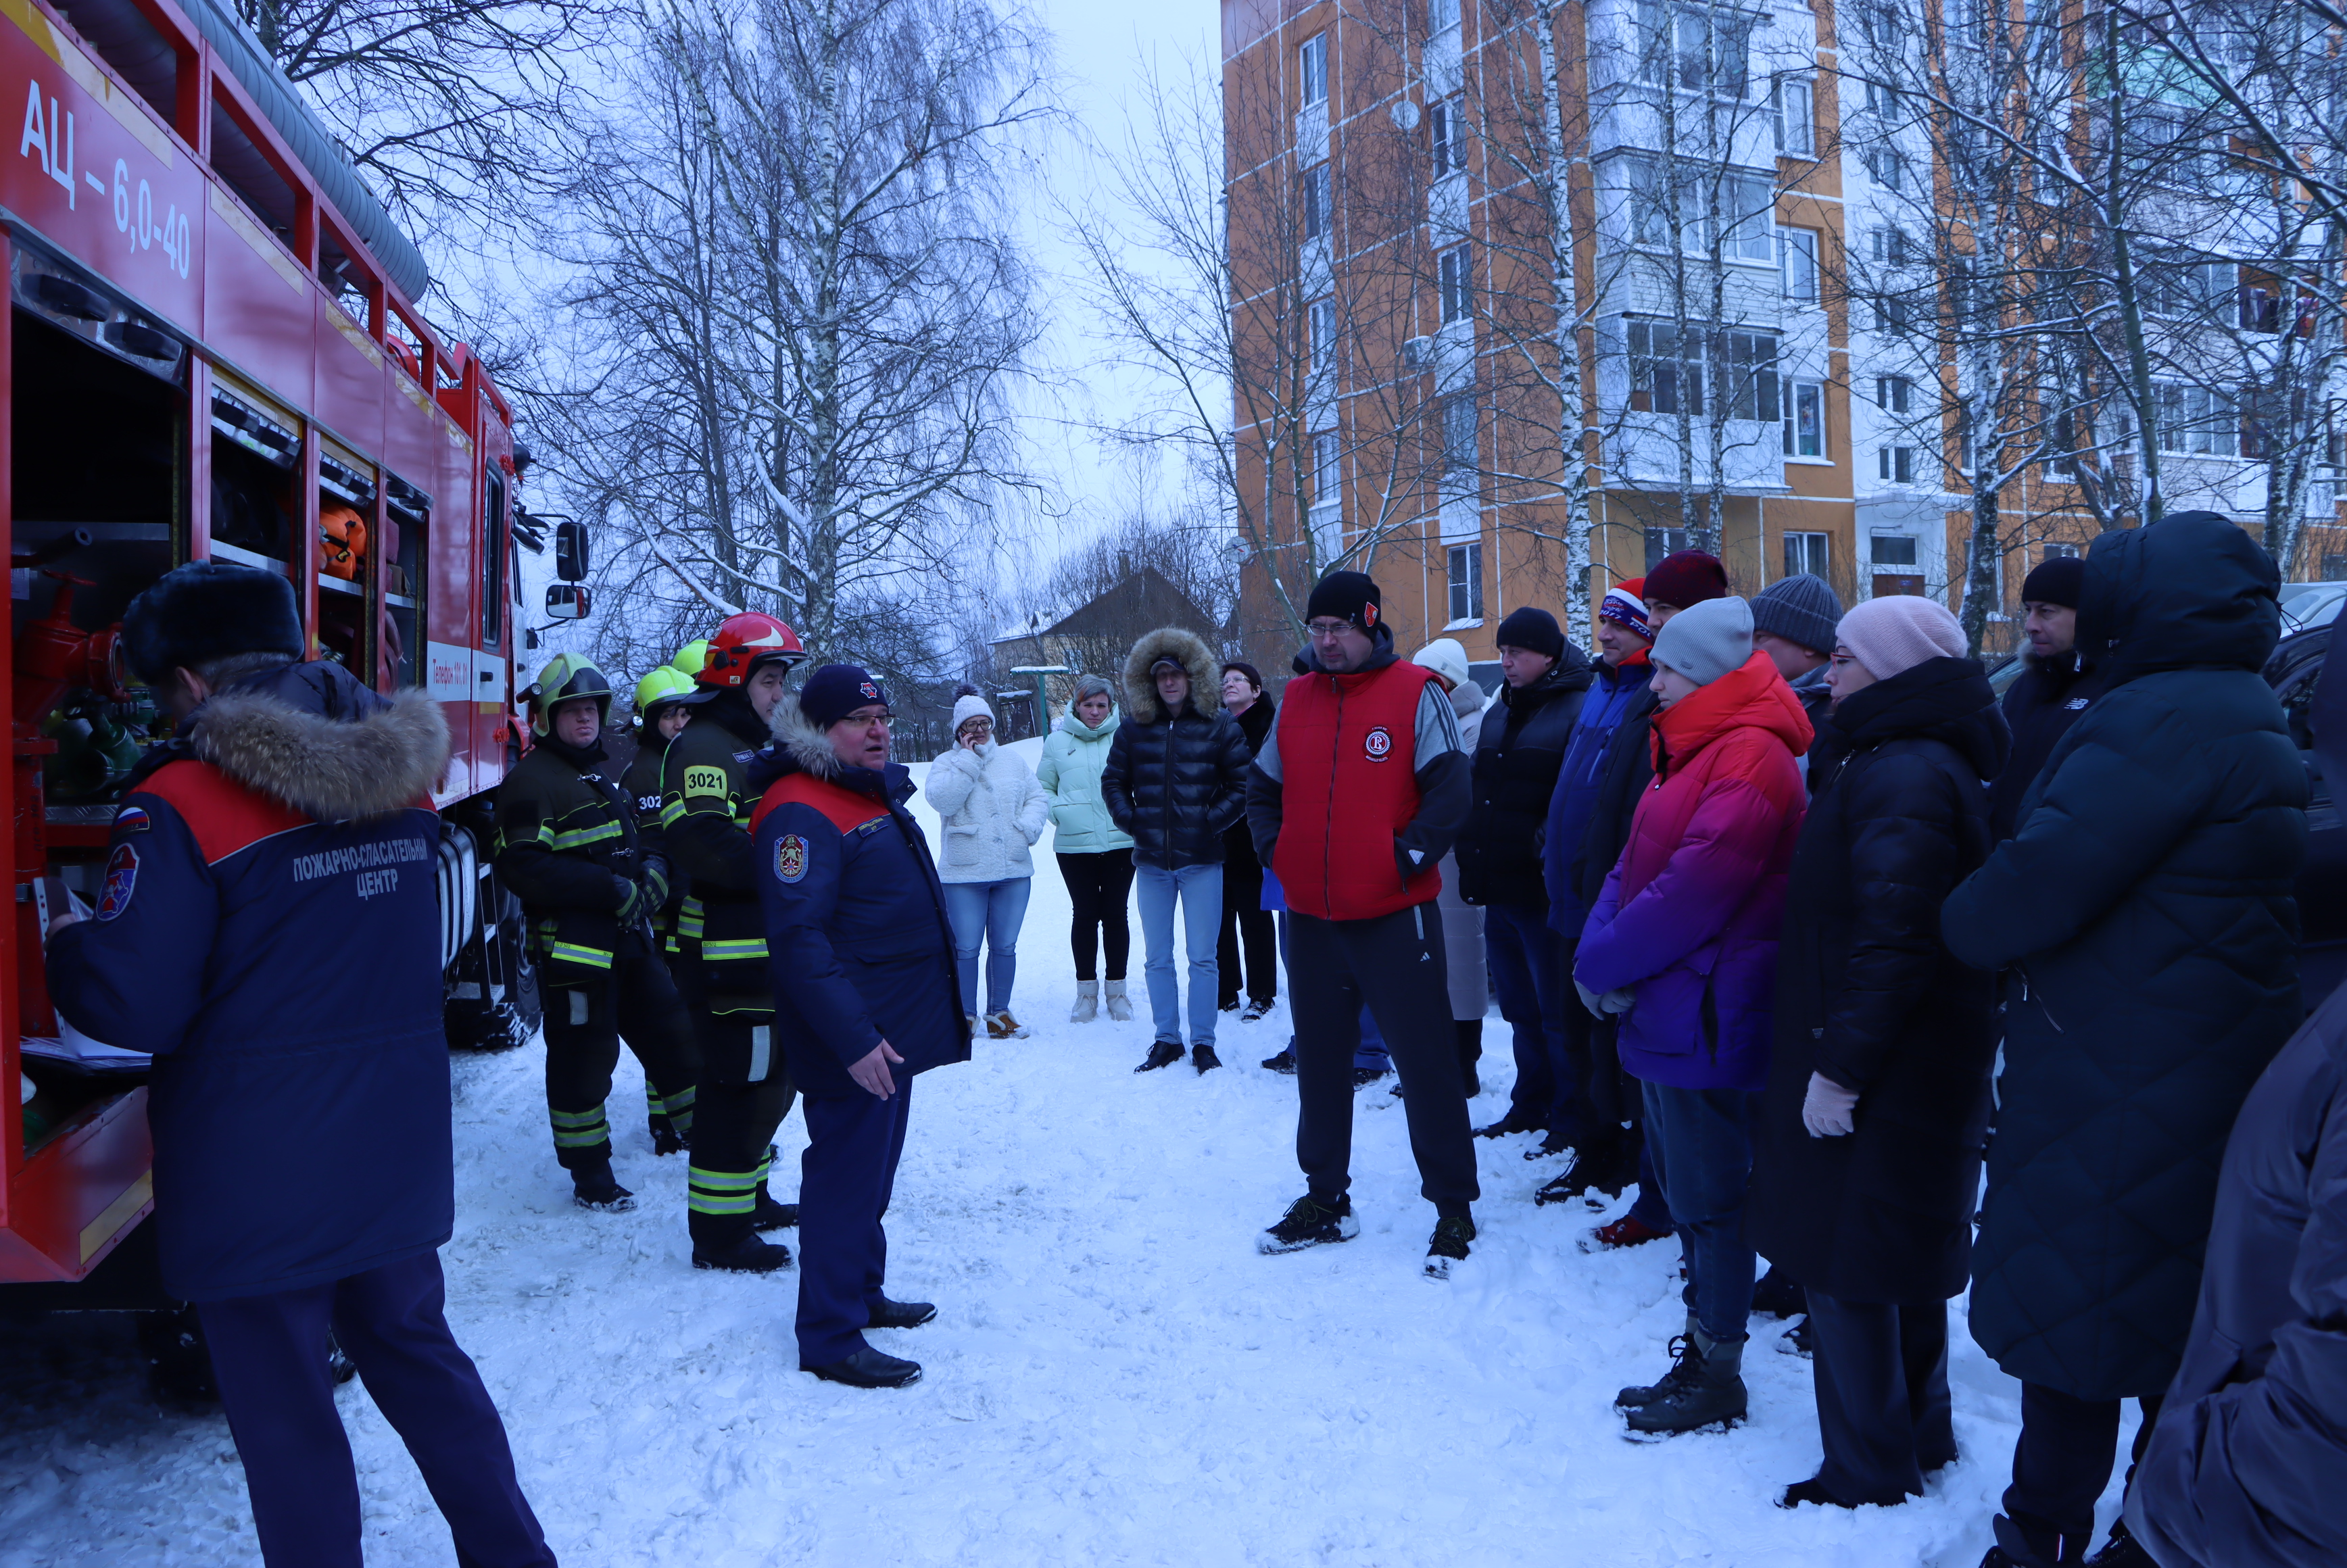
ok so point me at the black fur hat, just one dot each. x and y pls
(207, 610)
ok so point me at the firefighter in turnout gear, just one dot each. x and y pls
(705, 801)
(567, 845)
(660, 715)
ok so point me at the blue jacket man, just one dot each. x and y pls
(866, 996)
(300, 1109)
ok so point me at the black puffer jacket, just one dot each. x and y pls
(1869, 995)
(1522, 744)
(1629, 769)
(2040, 707)
(2145, 911)
(1175, 781)
(1238, 844)
(2249, 1460)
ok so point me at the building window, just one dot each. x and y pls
(1711, 206)
(1458, 435)
(1748, 374)
(1315, 202)
(1328, 470)
(1806, 553)
(1748, 224)
(1805, 419)
(1694, 49)
(1883, 99)
(1659, 379)
(1458, 296)
(2058, 552)
(1891, 314)
(1796, 253)
(2334, 568)
(1892, 549)
(1668, 365)
(2198, 419)
(1442, 16)
(1797, 119)
(1312, 69)
(1466, 575)
(2189, 288)
(1887, 247)
(1661, 542)
(1896, 463)
(1323, 347)
(1887, 166)
(1446, 135)
(1893, 393)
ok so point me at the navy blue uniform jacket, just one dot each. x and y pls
(855, 921)
(269, 930)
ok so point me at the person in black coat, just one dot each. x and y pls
(2248, 1462)
(1519, 749)
(1248, 929)
(2055, 687)
(2144, 912)
(1175, 780)
(1878, 1100)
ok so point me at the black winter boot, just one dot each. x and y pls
(1310, 1222)
(666, 1139)
(1451, 1234)
(1286, 1061)
(1684, 1356)
(1163, 1053)
(770, 1215)
(2122, 1551)
(749, 1255)
(1204, 1058)
(592, 1186)
(2022, 1545)
(1712, 1395)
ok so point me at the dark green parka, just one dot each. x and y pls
(2143, 918)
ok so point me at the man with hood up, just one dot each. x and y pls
(303, 1173)
(2144, 920)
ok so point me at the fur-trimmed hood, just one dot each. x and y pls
(310, 735)
(1205, 674)
(802, 748)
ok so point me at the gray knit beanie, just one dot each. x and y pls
(1705, 641)
(1803, 609)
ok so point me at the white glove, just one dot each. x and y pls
(1828, 1111)
(1606, 1006)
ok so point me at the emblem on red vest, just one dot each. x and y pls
(790, 857)
(1378, 744)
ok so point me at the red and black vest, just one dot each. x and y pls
(1349, 785)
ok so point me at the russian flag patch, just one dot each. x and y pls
(132, 819)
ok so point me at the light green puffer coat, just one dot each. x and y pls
(1070, 772)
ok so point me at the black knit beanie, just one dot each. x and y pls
(1534, 630)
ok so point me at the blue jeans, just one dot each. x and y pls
(992, 911)
(1199, 889)
(1701, 1144)
(1529, 972)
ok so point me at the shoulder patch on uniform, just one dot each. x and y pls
(132, 819)
(744, 757)
(791, 857)
(121, 881)
(705, 781)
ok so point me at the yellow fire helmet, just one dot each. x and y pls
(662, 686)
(691, 658)
(567, 676)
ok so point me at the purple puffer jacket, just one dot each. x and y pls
(1690, 912)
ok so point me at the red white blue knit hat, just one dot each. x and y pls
(1624, 606)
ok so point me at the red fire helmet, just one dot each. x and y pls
(745, 641)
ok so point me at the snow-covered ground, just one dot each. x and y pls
(1114, 1376)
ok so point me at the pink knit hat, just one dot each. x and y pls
(1895, 633)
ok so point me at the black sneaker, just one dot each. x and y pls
(1254, 1011)
(594, 1187)
(1164, 1053)
(869, 1368)
(751, 1255)
(1452, 1235)
(1310, 1222)
(887, 1313)
(1513, 1122)
(1283, 1062)
(1810, 1490)
(1204, 1058)
(1686, 1359)
(770, 1215)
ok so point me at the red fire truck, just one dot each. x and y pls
(213, 351)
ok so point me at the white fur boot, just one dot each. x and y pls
(1086, 1002)
(1119, 1008)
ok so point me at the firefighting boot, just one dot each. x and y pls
(592, 1186)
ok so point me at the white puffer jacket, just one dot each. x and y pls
(992, 809)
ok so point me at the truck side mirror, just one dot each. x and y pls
(568, 600)
(571, 552)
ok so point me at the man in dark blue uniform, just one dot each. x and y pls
(300, 1109)
(865, 997)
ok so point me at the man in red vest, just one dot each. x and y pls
(1356, 794)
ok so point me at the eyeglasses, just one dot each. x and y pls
(1322, 630)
